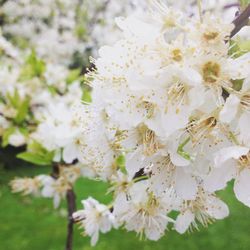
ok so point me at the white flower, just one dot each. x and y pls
(143, 212)
(17, 139)
(237, 109)
(93, 218)
(232, 162)
(204, 209)
(100, 156)
(26, 185)
(54, 188)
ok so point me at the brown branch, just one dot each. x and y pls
(71, 202)
(140, 173)
(241, 21)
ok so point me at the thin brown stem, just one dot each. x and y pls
(241, 21)
(71, 202)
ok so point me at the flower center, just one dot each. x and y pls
(177, 95)
(210, 35)
(199, 208)
(176, 55)
(148, 140)
(210, 72)
(201, 129)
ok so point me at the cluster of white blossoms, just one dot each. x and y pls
(46, 186)
(29, 88)
(42, 80)
(50, 26)
(41, 73)
(62, 30)
(168, 125)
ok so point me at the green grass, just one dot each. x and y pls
(33, 224)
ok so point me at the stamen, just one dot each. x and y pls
(149, 140)
(201, 129)
(244, 161)
(177, 95)
(245, 102)
(199, 209)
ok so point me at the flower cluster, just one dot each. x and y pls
(62, 30)
(168, 125)
(47, 186)
(45, 47)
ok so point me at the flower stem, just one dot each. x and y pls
(71, 202)
(241, 21)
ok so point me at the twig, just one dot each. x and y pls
(71, 201)
(241, 21)
(71, 204)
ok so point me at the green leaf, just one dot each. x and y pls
(37, 148)
(81, 31)
(14, 99)
(37, 155)
(52, 90)
(34, 67)
(73, 76)
(21, 106)
(21, 42)
(34, 158)
(22, 111)
(6, 135)
(239, 48)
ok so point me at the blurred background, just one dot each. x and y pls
(27, 223)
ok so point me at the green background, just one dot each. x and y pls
(33, 224)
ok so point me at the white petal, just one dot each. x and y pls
(244, 128)
(57, 157)
(173, 120)
(217, 209)
(154, 233)
(246, 84)
(183, 222)
(178, 160)
(185, 185)
(134, 162)
(56, 200)
(218, 177)
(239, 68)
(225, 154)
(94, 238)
(69, 153)
(230, 109)
(47, 192)
(242, 187)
